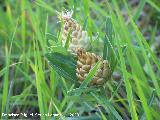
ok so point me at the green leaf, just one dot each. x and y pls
(65, 65)
(109, 28)
(56, 47)
(59, 49)
(68, 39)
(109, 50)
(85, 23)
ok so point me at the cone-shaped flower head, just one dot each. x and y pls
(79, 38)
(86, 62)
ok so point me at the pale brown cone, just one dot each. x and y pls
(86, 62)
(79, 38)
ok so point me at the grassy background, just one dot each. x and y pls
(29, 85)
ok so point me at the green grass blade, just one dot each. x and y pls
(85, 23)
(102, 100)
(139, 10)
(5, 97)
(143, 99)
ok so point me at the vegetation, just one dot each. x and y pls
(38, 74)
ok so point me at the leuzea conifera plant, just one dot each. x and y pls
(78, 46)
(79, 37)
(86, 62)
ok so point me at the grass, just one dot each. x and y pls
(28, 83)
